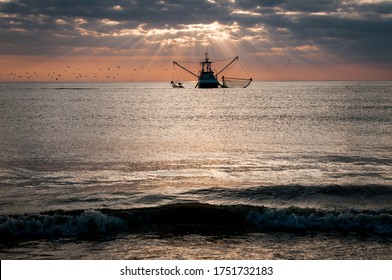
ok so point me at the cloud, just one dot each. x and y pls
(347, 30)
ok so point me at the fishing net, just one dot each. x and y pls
(236, 82)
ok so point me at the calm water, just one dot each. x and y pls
(280, 170)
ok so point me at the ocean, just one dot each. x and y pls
(279, 170)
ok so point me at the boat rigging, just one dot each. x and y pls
(208, 78)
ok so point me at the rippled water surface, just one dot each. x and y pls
(276, 170)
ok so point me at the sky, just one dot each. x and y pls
(137, 40)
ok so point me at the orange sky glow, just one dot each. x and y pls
(123, 69)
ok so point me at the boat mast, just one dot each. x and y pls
(206, 64)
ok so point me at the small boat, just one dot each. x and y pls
(207, 78)
(177, 84)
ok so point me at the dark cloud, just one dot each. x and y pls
(348, 30)
(313, 6)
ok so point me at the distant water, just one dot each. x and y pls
(279, 170)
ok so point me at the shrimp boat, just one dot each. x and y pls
(208, 78)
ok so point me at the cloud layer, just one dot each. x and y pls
(347, 31)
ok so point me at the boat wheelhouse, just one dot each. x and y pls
(207, 78)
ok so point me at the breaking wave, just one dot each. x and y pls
(350, 195)
(186, 218)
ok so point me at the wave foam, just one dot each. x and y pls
(184, 218)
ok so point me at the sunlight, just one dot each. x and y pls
(244, 12)
(117, 8)
(187, 40)
(106, 21)
(191, 40)
(135, 54)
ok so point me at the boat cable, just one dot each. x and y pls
(243, 68)
(228, 68)
(176, 73)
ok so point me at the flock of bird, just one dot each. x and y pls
(76, 73)
(284, 66)
(111, 73)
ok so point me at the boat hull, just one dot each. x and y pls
(207, 80)
(208, 84)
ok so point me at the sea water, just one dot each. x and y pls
(279, 170)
